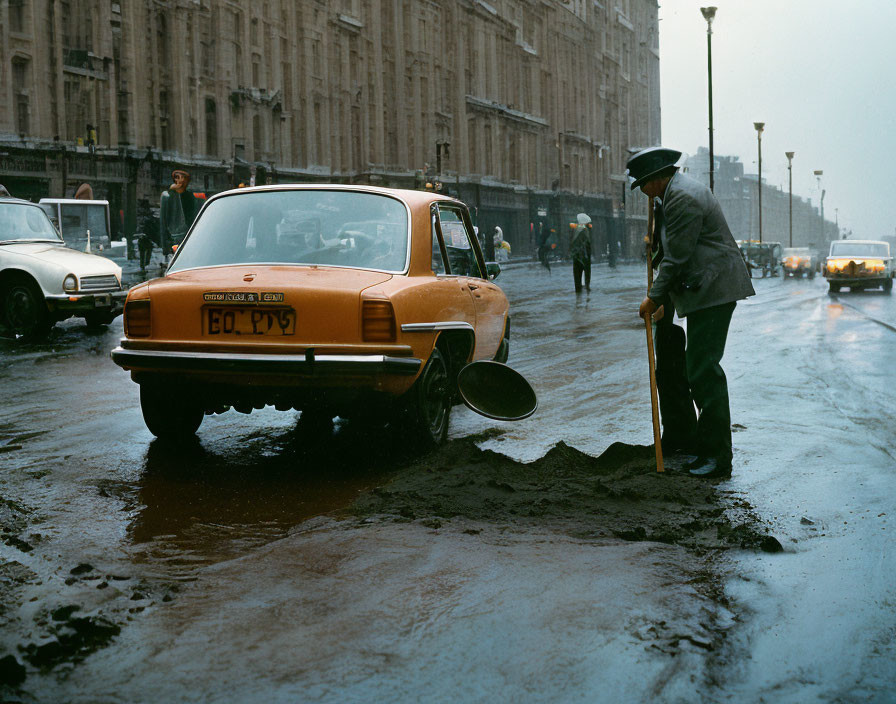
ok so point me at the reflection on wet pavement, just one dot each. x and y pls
(199, 503)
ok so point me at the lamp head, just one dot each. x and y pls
(818, 173)
(789, 155)
(759, 126)
(708, 13)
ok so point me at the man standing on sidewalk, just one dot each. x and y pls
(177, 210)
(703, 275)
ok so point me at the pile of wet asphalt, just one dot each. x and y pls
(617, 495)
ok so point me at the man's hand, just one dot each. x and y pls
(648, 307)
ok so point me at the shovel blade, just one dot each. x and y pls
(496, 391)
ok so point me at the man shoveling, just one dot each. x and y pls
(703, 276)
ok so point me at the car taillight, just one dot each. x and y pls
(137, 321)
(377, 321)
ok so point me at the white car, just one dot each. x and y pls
(42, 281)
(859, 264)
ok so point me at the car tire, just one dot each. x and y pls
(429, 406)
(833, 288)
(24, 310)
(98, 320)
(168, 419)
(888, 286)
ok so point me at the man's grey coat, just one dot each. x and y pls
(702, 265)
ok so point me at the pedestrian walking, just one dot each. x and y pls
(544, 249)
(580, 252)
(703, 276)
(147, 232)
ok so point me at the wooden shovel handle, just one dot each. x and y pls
(651, 359)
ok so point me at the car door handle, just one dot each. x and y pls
(472, 287)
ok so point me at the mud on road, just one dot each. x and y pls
(617, 495)
(55, 620)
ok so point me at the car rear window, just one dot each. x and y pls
(859, 249)
(25, 222)
(328, 228)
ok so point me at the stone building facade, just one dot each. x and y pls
(738, 194)
(525, 109)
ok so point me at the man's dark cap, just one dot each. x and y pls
(647, 163)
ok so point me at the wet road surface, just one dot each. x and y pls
(233, 573)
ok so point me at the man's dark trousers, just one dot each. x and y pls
(707, 333)
(676, 402)
(578, 268)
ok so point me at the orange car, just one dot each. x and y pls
(332, 300)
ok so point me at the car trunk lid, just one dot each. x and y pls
(302, 305)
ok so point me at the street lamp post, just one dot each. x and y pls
(818, 173)
(708, 14)
(789, 156)
(759, 127)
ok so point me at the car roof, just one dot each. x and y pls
(863, 241)
(72, 201)
(20, 201)
(411, 197)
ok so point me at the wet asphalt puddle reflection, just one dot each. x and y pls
(206, 501)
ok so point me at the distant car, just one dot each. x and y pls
(42, 281)
(332, 300)
(859, 264)
(762, 256)
(799, 261)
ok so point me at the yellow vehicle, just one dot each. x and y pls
(799, 261)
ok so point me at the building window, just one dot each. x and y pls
(256, 137)
(211, 127)
(20, 91)
(164, 125)
(17, 16)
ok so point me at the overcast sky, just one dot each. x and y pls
(819, 73)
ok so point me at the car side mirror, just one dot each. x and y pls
(492, 269)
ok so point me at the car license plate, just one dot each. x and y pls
(249, 321)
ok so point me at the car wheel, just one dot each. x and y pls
(166, 418)
(888, 285)
(833, 288)
(25, 311)
(430, 402)
(98, 320)
(811, 274)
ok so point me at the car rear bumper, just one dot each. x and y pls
(111, 301)
(309, 363)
